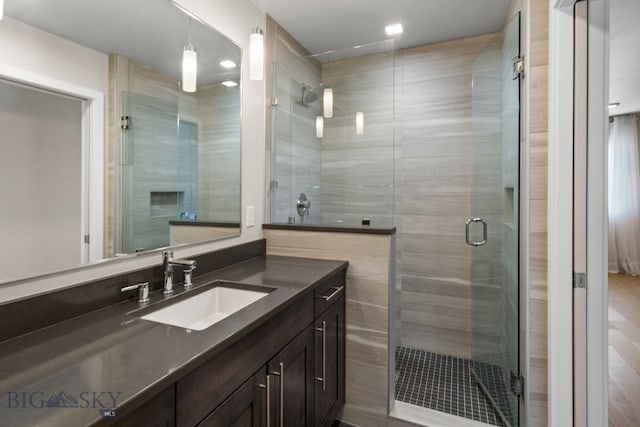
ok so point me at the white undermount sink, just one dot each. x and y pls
(203, 310)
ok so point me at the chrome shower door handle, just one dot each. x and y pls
(484, 232)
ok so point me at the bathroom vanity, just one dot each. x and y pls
(279, 360)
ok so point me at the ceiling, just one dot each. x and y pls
(624, 60)
(125, 27)
(325, 25)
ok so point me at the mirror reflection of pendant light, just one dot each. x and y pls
(189, 69)
(256, 51)
(327, 102)
(319, 126)
(359, 123)
(1, 9)
(189, 66)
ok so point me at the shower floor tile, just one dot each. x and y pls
(442, 383)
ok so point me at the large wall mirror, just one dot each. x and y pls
(160, 167)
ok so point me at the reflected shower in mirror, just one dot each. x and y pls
(163, 166)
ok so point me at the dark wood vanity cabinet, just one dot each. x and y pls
(289, 371)
(292, 383)
(329, 363)
(329, 347)
(245, 408)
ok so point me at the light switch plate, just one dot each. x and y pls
(251, 216)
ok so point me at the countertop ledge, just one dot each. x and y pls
(112, 350)
(363, 229)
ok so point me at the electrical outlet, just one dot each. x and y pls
(251, 216)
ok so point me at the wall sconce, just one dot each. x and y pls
(256, 54)
(327, 102)
(319, 127)
(359, 123)
(189, 68)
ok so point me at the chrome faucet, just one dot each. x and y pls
(167, 266)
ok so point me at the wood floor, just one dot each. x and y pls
(624, 350)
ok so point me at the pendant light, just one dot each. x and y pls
(319, 126)
(359, 123)
(256, 54)
(256, 51)
(327, 102)
(1, 9)
(189, 66)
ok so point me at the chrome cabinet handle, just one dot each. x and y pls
(484, 232)
(267, 388)
(281, 375)
(324, 348)
(336, 291)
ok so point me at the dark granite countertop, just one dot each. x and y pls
(334, 228)
(111, 353)
(197, 223)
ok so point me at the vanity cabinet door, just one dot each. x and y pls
(329, 363)
(246, 407)
(159, 411)
(291, 373)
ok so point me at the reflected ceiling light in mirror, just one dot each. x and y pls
(1, 9)
(228, 64)
(319, 126)
(359, 123)
(327, 102)
(229, 83)
(613, 105)
(393, 29)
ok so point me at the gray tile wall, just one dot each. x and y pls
(357, 170)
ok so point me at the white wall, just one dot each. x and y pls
(233, 18)
(42, 202)
(28, 48)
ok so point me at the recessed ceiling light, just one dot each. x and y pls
(229, 83)
(393, 29)
(228, 64)
(613, 105)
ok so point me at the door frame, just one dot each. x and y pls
(560, 214)
(92, 154)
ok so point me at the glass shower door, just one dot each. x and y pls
(152, 187)
(493, 229)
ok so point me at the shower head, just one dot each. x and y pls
(303, 89)
(314, 94)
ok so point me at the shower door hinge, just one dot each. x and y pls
(86, 239)
(517, 385)
(518, 67)
(274, 102)
(580, 280)
(125, 122)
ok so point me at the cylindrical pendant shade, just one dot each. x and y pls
(319, 127)
(189, 69)
(327, 102)
(256, 55)
(1, 9)
(359, 123)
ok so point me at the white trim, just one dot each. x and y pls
(92, 151)
(402, 413)
(559, 330)
(597, 213)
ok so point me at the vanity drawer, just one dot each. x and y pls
(328, 292)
